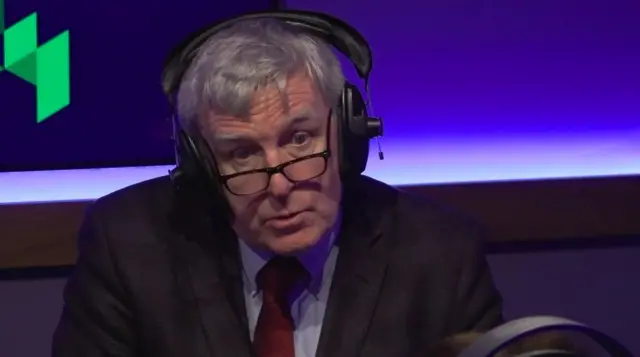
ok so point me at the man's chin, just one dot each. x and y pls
(293, 243)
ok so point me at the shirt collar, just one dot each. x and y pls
(313, 260)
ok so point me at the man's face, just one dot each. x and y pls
(286, 218)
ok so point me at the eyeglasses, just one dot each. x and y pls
(297, 170)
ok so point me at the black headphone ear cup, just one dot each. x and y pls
(213, 187)
(198, 173)
(187, 160)
(354, 141)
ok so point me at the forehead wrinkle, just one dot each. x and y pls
(304, 112)
(269, 95)
(232, 123)
(269, 100)
(276, 105)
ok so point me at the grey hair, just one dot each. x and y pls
(250, 55)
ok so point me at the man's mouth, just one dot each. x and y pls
(285, 220)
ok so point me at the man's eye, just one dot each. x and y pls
(240, 154)
(301, 138)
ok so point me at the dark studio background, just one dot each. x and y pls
(447, 70)
(118, 114)
(535, 89)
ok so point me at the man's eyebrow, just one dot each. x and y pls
(230, 139)
(300, 117)
(226, 136)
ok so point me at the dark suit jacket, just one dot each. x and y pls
(409, 273)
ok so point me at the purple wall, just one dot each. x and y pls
(596, 286)
(475, 90)
(498, 68)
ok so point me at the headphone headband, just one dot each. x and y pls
(356, 128)
(494, 340)
(341, 35)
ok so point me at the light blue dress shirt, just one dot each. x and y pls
(309, 308)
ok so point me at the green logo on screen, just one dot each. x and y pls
(45, 66)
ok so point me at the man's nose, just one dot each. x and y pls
(279, 186)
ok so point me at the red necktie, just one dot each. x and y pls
(274, 331)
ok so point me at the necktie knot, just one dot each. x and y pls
(274, 330)
(279, 276)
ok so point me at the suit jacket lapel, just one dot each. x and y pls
(358, 277)
(216, 280)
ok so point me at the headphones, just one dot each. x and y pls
(195, 162)
(500, 337)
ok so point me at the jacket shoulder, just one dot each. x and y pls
(412, 208)
(151, 195)
(424, 221)
(137, 214)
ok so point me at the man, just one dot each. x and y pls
(311, 266)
